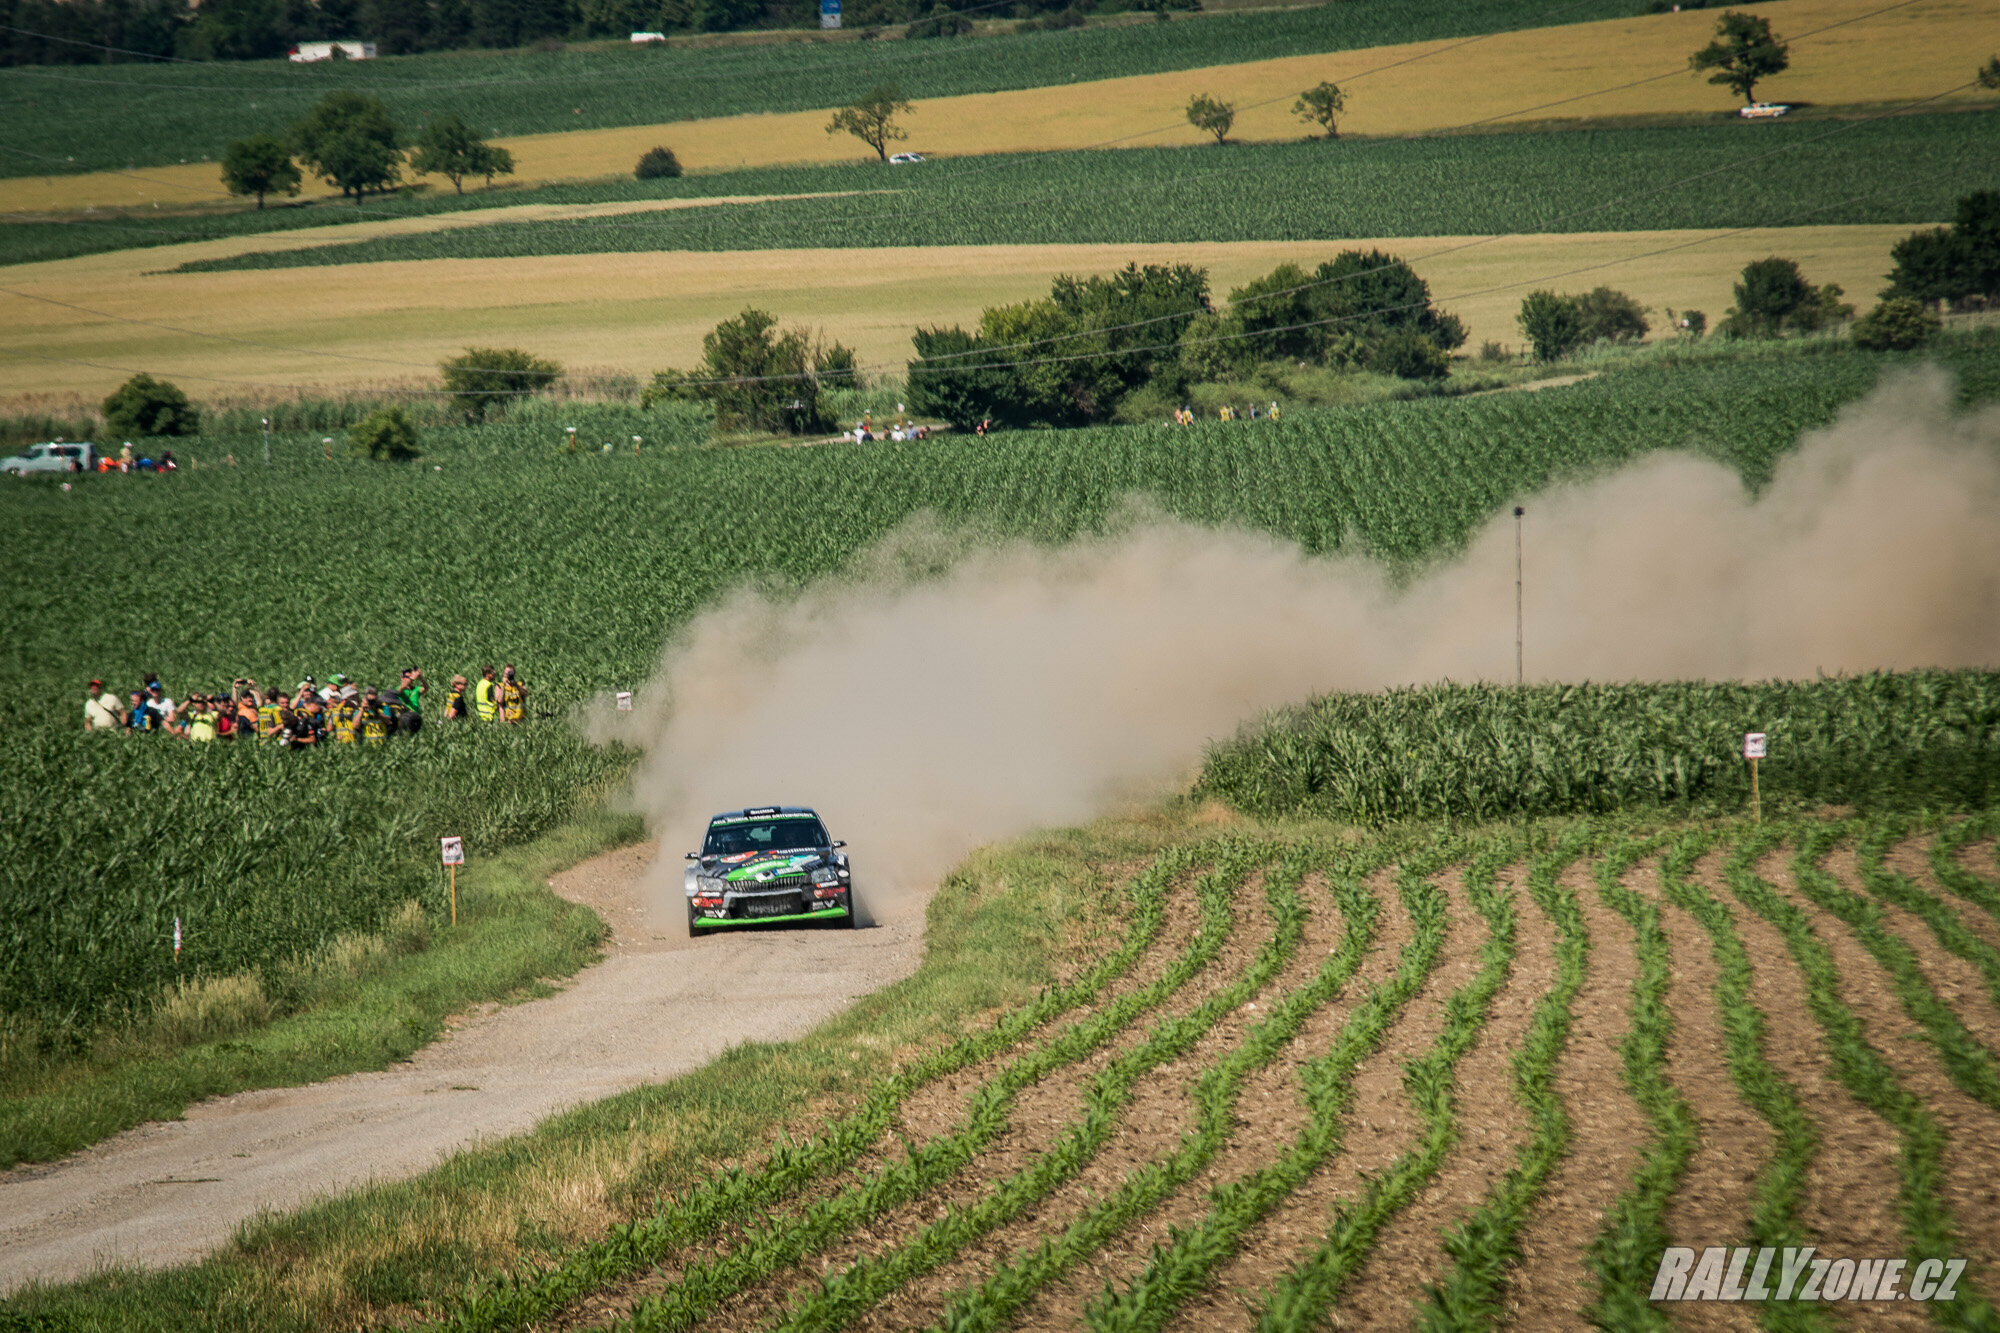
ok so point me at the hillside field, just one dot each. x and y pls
(1617, 67)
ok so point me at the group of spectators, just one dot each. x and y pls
(338, 711)
(1227, 412)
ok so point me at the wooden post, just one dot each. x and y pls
(454, 869)
(1756, 808)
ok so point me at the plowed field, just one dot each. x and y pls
(1441, 1081)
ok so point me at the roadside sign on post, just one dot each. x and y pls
(454, 857)
(624, 701)
(1753, 750)
(829, 13)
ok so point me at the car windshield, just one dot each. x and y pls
(785, 833)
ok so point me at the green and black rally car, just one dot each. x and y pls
(767, 863)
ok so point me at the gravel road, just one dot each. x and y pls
(169, 1192)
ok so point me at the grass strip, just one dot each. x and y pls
(1777, 1219)
(1970, 1065)
(1976, 889)
(1626, 1250)
(1927, 1220)
(735, 1192)
(838, 1299)
(1471, 1294)
(1944, 923)
(781, 1242)
(1303, 1297)
(1187, 1263)
(513, 936)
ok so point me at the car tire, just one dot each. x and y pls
(847, 901)
(692, 932)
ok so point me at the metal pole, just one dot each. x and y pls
(1519, 675)
(267, 441)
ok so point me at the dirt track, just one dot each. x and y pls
(169, 1192)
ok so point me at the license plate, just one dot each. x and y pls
(771, 907)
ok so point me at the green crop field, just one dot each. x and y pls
(1893, 170)
(498, 547)
(83, 118)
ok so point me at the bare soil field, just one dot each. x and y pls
(640, 312)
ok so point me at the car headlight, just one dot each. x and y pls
(825, 875)
(708, 884)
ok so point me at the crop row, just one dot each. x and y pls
(136, 115)
(1903, 169)
(578, 567)
(1482, 1253)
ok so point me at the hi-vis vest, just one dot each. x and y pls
(482, 699)
(345, 718)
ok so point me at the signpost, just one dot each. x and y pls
(624, 701)
(829, 13)
(1753, 750)
(454, 857)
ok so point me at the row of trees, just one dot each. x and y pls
(1958, 265)
(351, 142)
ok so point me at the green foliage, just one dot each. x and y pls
(1773, 297)
(657, 164)
(1559, 181)
(871, 118)
(759, 378)
(1553, 324)
(1989, 73)
(487, 377)
(385, 437)
(1887, 739)
(260, 165)
(1743, 52)
(1321, 105)
(143, 405)
(1954, 263)
(1898, 324)
(940, 20)
(449, 147)
(350, 141)
(1211, 116)
(1609, 315)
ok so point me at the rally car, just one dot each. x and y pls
(767, 863)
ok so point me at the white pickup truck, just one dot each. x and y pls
(51, 458)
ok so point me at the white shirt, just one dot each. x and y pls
(101, 713)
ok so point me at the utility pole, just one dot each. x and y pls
(1519, 675)
(267, 441)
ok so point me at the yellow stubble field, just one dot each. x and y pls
(1842, 52)
(369, 323)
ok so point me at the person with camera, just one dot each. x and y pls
(512, 697)
(411, 692)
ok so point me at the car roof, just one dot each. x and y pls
(750, 812)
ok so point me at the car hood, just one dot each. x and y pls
(755, 867)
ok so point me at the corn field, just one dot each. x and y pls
(1425, 1079)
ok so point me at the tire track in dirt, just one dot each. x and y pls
(1717, 1194)
(1493, 1127)
(1056, 1102)
(1972, 1132)
(1269, 1113)
(1951, 978)
(1850, 1204)
(1607, 1126)
(1379, 1126)
(933, 1110)
(1296, 1226)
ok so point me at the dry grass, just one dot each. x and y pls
(638, 312)
(1913, 52)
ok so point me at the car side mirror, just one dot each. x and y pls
(694, 856)
(838, 842)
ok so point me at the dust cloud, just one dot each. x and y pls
(951, 691)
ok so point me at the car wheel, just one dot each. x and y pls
(847, 901)
(692, 932)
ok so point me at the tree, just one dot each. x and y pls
(1610, 315)
(1408, 355)
(1928, 265)
(1821, 308)
(1977, 226)
(387, 437)
(871, 118)
(1552, 323)
(1744, 51)
(1319, 105)
(760, 378)
(1767, 293)
(259, 165)
(941, 20)
(1210, 116)
(488, 376)
(450, 148)
(1989, 73)
(657, 164)
(1896, 325)
(350, 142)
(143, 405)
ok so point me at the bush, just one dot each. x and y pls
(1611, 316)
(657, 164)
(386, 437)
(495, 376)
(1896, 325)
(1552, 323)
(1408, 355)
(143, 405)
